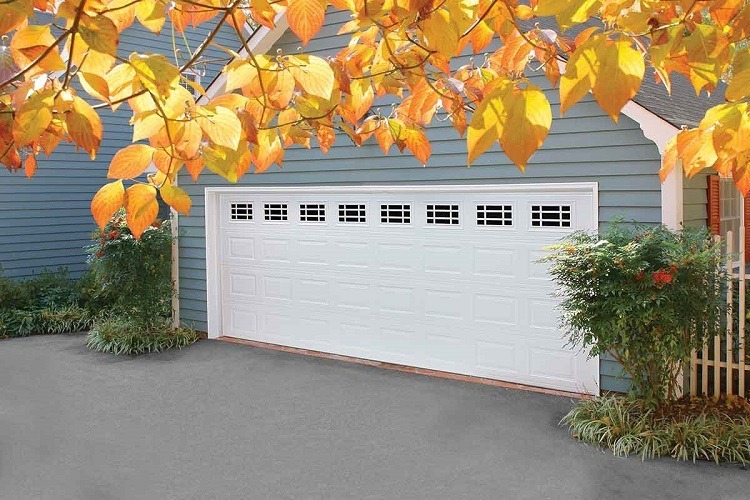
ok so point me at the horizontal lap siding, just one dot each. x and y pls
(45, 221)
(585, 145)
(695, 200)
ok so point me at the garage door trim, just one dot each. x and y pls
(215, 196)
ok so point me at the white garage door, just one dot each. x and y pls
(438, 277)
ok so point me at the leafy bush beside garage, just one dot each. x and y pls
(136, 277)
(648, 297)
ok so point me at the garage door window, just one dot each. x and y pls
(241, 211)
(442, 214)
(312, 212)
(550, 215)
(352, 213)
(494, 215)
(276, 212)
(395, 214)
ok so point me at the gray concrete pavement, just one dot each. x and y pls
(224, 421)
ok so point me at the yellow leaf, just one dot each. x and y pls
(146, 124)
(440, 33)
(166, 164)
(706, 51)
(313, 75)
(306, 17)
(156, 73)
(525, 124)
(141, 208)
(739, 86)
(130, 162)
(121, 81)
(568, 12)
(33, 116)
(176, 198)
(620, 75)
(106, 202)
(483, 128)
(95, 85)
(241, 72)
(580, 73)
(151, 14)
(220, 125)
(84, 126)
(99, 33)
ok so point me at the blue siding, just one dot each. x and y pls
(585, 145)
(45, 221)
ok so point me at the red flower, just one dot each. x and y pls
(662, 277)
(639, 276)
(112, 235)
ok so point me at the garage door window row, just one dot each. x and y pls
(542, 216)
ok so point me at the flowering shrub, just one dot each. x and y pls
(134, 275)
(645, 296)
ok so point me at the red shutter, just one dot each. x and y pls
(713, 208)
(745, 220)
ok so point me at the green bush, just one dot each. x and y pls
(48, 303)
(645, 296)
(134, 276)
(698, 429)
(128, 336)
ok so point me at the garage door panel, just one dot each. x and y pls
(444, 281)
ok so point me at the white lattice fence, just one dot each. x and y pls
(722, 367)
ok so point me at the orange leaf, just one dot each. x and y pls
(194, 168)
(417, 142)
(668, 159)
(176, 198)
(84, 126)
(29, 166)
(130, 162)
(141, 208)
(106, 202)
(306, 17)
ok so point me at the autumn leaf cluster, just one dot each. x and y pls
(63, 67)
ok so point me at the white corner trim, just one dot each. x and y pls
(260, 42)
(212, 225)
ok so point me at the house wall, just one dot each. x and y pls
(45, 221)
(585, 145)
(695, 200)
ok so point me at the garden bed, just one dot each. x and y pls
(696, 428)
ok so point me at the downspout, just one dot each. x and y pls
(175, 226)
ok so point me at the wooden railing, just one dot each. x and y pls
(721, 366)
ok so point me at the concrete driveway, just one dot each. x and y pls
(218, 420)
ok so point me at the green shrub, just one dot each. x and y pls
(645, 296)
(707, 430)
(127, 336)
(54, 319)
(134, 276)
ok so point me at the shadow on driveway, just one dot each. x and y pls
(224, 421)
